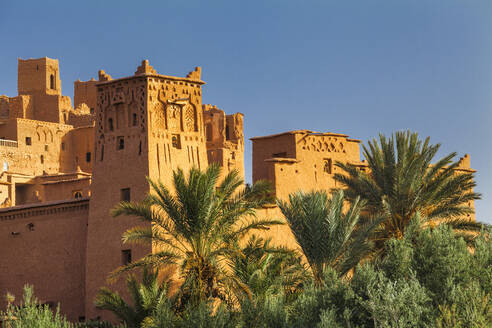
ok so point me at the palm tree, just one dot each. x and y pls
(266, 269)
(326, 236)
(403, 181)
(147, 297)
(194, 227)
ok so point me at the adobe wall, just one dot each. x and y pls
(282, 145)
(40, 75)
(82, 143)
(176, 131)
(301, 160)
(225, 139)
(47, 249)
(85, 93)
(115, 168)
(43, 152)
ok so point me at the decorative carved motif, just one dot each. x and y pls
(323, 144)
(174, 117)
(189, 118)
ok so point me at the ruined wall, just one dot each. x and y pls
(49, 243)
(80, 116)
(4, 107)
(225, 139)
(85, 93)
(21, 107)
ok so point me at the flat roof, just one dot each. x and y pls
(165, 77)
(307, 132)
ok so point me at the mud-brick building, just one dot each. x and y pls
(64, 167)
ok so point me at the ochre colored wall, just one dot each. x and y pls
(164, 126)
(51, 256)
(115, 169)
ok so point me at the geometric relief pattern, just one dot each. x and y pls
(323, 144)
(158, 116)
(174, 117)
(189, 118)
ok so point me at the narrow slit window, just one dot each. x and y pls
(126, 256)
(121, 143)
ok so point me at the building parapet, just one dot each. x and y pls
(46, 208)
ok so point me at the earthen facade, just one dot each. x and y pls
(65, 167)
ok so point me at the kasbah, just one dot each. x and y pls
(65, 167)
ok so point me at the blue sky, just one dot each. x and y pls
(354, 67)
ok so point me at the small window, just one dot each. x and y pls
(28, 141)
(233, 155)
(63, 146)
(134, 119)
(126, 256)
(77, 194)
(125, 195)
(88, 157)
(46, 148)
(52, 81)
(92, 110)
(120, 143)
(42, 159)
(110, 124)
(176, 141)
(227, 133)
(327, 167)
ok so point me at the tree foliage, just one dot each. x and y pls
(327, 236)
(402, 180)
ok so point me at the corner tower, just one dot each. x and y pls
(38, 76)
(146, 125)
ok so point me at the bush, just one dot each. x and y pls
(31, 313)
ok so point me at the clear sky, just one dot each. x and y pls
(353, 67)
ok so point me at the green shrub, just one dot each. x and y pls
(31, 313)
(392, 303)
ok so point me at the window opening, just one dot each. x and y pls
(227, 132)
(121, 143)
(125, 195)
(126, 256)
(176, 141)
